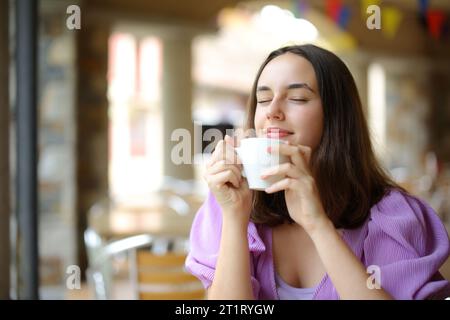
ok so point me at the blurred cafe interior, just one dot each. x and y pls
(94, 93)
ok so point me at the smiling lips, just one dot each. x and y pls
(277, 133)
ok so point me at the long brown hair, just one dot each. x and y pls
(348, 176)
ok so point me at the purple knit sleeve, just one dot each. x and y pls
(204, 243)
(409, 243)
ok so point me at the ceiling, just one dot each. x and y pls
(188, 11)
(206, 10)
(202, 15)
(413, 4)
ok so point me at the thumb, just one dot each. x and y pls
(229, 140)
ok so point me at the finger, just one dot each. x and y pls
(222, 166)
(286, 169)
(230, 154)
(234, 179)
(244, 184)
(224, 151)
(292, 151)
(305, 152)
(221, 178)
(229, 140)
(240, 134)
(281, 185)
(217, 153)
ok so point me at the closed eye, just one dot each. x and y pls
(263, 101)
(299, 100)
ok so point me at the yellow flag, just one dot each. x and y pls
(390, 21)
(342, 42)
(365, 4)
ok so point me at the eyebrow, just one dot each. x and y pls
(291, 86)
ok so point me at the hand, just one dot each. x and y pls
(301, 194)
(224, 179)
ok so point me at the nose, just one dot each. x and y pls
(275, 110)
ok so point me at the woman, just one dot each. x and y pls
(335, 226)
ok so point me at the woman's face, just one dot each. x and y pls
(288, 102)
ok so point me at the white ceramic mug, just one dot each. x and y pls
(255, 159)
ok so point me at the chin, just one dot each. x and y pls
(291, 138)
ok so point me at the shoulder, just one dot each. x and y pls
(403, 211)
(406, 239)
(407, 221)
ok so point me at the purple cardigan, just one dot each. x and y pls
(403, 236)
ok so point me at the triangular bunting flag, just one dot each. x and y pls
(391, 18)
(435, 20)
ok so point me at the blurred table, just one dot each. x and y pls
(127, 221)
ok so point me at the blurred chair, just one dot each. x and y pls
(156, 267)
(162, 277)
(100, 257)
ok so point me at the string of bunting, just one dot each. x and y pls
(435, 21)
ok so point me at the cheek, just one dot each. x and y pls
(309, 123)
(259, 119)
(307, 116)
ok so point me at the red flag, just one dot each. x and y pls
(435, 19)
(333, 8)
